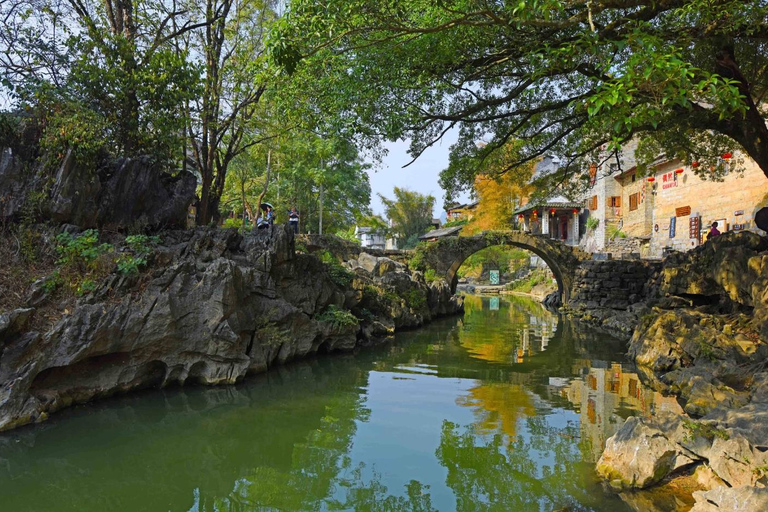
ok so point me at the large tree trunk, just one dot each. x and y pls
(750, 130)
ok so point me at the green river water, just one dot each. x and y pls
(504, 409)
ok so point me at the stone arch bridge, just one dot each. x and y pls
(446, 255)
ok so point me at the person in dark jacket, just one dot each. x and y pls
(293, 220)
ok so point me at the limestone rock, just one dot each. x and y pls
(136, 192)
(640, 454)
(731, 499)
(368, 262)
(75, 194)
(14, 322)
(215, 307)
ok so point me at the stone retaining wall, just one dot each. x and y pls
(614, 284)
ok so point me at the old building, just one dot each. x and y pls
(669, 207)
(370, 237)
(556, 217)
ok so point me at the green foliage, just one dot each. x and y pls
(455, 223)
(697, 429)
(71, 126)
(568, 78)
(535, 278)
(338, 318)
(80, 250)
(139, 247)
(348, 235)
(430, 275)
(415, 299)
(614, 231)
(592, 223)
(270, 334)
(505, 259)
(418, 261)
(365, 315)
(233, 222)
(339, 275)
(301, 163)
(410, 214)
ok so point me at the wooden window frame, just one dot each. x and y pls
(634, 200)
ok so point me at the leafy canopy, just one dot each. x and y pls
(577, 79)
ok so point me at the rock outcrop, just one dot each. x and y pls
(702, 338)
(214, 307)
(126, 193)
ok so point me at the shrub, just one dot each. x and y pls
(338, 274)
(337, 317)
(140, 247)
(592, 223)
(80, 251)
(230, 222)
(430, 275)
(415, 299)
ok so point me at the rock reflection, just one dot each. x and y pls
(508, 406)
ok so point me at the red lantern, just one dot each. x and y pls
(651, 179)
(679, 171)
(552, 211)
(575, 211)
(520, 217)
(695, 164)
(727, 156)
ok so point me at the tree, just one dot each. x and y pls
(410, 214)
(499, 192)
(577, 79)
(301, 162)
(114, 58)
(231, 47)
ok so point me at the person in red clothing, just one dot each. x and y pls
(713, 231)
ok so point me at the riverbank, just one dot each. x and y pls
(697, 331)
(209, 307)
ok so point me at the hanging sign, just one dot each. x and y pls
(494, 274)
(672, 221)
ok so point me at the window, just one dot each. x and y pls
(634, 176)
(633, 200)
(615, 201)
(593, 203)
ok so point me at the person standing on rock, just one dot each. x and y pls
(713, 231)
(293, 220)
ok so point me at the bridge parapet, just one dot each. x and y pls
(346, 250)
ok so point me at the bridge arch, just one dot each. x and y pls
(446, 255)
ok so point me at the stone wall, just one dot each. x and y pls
(614, 284)
(627, 247)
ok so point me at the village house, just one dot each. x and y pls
(460, 212)
(669, 207)
(370, 237)
(557, 217)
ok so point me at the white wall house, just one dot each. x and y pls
(370, 238)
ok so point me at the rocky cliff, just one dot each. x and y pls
(213, 307)
(702, 337)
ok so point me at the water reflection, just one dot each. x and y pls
(505, 409)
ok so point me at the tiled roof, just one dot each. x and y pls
(440, 233)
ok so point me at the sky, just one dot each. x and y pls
(421, 176)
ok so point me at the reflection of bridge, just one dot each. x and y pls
(446, 255)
